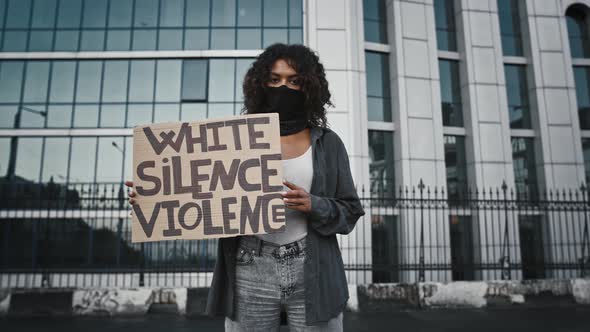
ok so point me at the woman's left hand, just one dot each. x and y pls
(296, 198)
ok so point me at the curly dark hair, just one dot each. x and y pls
(309, 70)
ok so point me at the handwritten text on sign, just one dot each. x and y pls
(207, 179)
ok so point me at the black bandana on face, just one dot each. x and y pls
(289, 104)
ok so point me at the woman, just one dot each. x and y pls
(299, 271)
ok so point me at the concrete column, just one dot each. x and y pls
(334, 28)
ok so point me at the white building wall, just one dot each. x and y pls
(334, 29)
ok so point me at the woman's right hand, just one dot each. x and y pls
(131, 194)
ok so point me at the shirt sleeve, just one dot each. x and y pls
(338, 214)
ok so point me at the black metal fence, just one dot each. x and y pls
(78, 234)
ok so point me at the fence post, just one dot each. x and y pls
(585, 238)
(142, 266)
(421, 267)
(505, 259)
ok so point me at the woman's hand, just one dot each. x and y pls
(131, 194)
(296, 198)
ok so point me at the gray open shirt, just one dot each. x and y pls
(335, 208)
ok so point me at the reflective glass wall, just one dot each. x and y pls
(118, 93)
(123, 25)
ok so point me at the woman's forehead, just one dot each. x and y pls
(281, 67)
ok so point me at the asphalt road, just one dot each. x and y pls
(549, 319)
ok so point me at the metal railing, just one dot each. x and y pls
(79, 234)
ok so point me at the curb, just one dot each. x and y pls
(363, 298)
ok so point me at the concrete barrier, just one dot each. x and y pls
(363, 298)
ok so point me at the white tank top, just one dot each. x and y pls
(298, 170)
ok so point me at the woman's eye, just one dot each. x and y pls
(295, 82)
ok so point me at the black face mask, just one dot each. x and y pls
(289, 104)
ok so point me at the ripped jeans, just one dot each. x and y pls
(269, 278)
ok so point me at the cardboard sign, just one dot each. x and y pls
(207, 179)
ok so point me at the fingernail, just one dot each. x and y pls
(283, 193)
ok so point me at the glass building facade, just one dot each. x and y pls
(143, 25)
(68, 103)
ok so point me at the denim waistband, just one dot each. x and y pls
(260, 247)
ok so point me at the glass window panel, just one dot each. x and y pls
(44, 14)
(15, 41)
(295, 36)
(120, 13)
(221, 76)
(144, 40)
(381, 163)
(196, 39)
(275, 13)
(66, 40)
(128, 166)
(109, 162)
(41, 41)
(378, 89)
(3, 4)
(28, 158)
(170, 39)
(194, 80)
(95, 14)
(146, 13)
(249, 13)
(36, 82)
(518, 99)
(92, 40)
(578, 34)
(118, 40)
(510, 27)
(249, 39)
(166, 112)
(86, 116)
(112, 115)
(223, 13)
(295, 13)
(242, 66)
(585, 151)
(374, 21)
(171, 13)
(89, 78)
(193, 112)
(18, 14)
(59, 116)
(138, 114)
(218, 110)
(197, 13)
(450, 93)
(523, 158)
(582, 81)
(456, 166)
(4, 154)
(222, 39)
(114, 88)
(82, 159)
(11, 75)
(33, 116)
(7, 113)
(70, 14)
(62, 82)
(271, 36)
(444, 14)
(55, 159)
(141, 85)
(168, 80)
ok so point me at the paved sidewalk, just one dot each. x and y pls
(549, 319)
